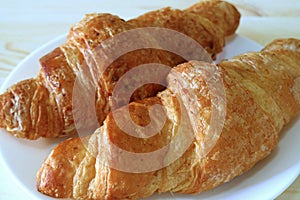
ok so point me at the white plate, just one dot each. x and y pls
(266, 180)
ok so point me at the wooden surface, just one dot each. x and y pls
(25, 25)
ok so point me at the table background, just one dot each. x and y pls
(26, 25)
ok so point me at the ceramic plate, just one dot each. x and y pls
(266, 180)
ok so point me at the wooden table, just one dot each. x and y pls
(25, 25)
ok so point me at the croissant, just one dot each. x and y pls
(260, 94)
(42, 106)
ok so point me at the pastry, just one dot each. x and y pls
(42, 106)
(260, 95)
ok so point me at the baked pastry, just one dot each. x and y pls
(42, 106)
(261, 94)
(219, 17)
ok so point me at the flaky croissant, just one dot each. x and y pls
(42, 106)
(262, 94)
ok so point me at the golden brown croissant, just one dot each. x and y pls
(42, 106)
(262, 94)
(219, 16)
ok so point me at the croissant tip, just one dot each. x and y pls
(53, 178)
(47, 182)
(2, 111)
